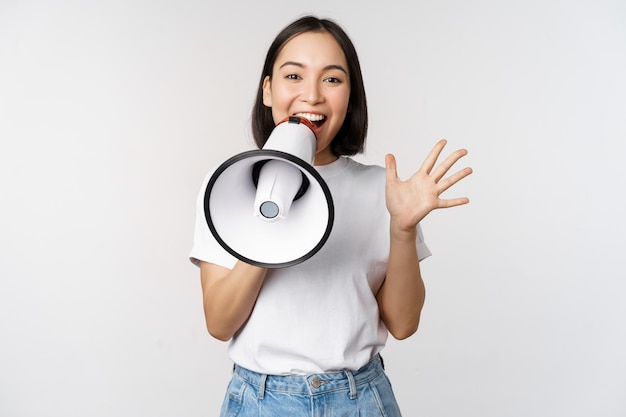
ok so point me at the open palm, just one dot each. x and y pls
(410, 201)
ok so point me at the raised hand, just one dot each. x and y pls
(408, 202)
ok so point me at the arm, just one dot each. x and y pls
(229, 296)
(401, 296)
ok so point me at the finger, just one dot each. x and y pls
(453, 202)
(431, 158)
(445, 166)
(453, 179)
(390, 168)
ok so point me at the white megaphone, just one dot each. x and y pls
(270, 207)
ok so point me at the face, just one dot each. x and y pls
(310, 79)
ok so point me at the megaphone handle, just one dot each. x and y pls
(256, 170)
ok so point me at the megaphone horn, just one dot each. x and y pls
(270, 207)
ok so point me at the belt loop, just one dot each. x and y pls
(262, 387)
(382, 362)
(352, 384)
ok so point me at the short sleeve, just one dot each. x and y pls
(205, 246)
(422, 250)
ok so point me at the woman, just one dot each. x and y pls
(306, 339)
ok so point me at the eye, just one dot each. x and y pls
(292, 77)
(333, 80)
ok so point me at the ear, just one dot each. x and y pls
(267, 91)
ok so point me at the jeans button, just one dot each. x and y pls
(316, 382)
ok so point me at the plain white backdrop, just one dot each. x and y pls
(112, 112)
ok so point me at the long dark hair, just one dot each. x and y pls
(350, 139)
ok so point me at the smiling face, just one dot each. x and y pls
(310, 79)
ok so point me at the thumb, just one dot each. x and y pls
(390, 167)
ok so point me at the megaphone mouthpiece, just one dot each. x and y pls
(295, 136)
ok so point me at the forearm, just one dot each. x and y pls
(401, 297)
(229, 296)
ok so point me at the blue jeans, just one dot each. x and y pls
(363, 393)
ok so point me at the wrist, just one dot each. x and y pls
(402, 233)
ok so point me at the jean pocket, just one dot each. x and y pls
(385, 398)
(233, 400)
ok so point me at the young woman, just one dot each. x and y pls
(306, 339)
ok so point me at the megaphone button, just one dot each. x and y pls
(269, 209)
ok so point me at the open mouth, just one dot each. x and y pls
(316, 119)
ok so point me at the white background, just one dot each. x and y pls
(111, 112)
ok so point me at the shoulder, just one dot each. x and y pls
(364, 171)
(359, 167)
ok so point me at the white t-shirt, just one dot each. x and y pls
(320, 315)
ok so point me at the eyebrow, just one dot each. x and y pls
(326, 68)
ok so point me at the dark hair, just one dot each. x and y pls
(350, 138)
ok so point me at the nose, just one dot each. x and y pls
(312, 92)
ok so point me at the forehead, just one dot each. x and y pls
(312, 49)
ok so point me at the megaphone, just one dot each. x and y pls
(270, 207)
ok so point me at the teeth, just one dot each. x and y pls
(312, 117)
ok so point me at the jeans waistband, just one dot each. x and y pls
(314, 383)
